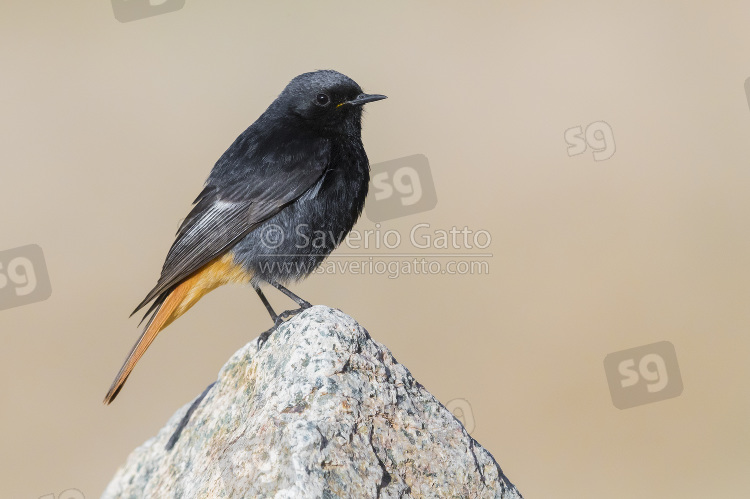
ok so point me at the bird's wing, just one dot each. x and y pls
(225, 213)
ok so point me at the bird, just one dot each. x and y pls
(300, 170)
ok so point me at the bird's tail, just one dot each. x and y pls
(177, 302)
(163, 316)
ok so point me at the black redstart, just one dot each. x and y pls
(299, 171)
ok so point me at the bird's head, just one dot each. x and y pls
(327, 101)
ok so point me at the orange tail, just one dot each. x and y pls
(220, 271)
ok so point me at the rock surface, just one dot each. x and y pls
(321, 410)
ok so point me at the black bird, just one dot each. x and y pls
(299, 171)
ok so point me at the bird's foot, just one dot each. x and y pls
(288, 314)
(263, 338)
(280, 319)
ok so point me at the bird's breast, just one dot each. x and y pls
(292, 243)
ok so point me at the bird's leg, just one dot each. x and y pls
(186, 418)
(302, 303)
(263, 298)
(277, 320)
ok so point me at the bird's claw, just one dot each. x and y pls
(288, 314)
(263, 338)
(280, 319)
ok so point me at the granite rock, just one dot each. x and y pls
(322, 410)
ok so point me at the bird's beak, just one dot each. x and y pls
(363, 99)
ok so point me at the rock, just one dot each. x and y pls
(321, 410)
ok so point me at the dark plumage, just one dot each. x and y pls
(299, 169)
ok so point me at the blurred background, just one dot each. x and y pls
(604, 238)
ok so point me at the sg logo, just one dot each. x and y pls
(400, 187)
(598, 136)
(66, 494)
(643, 375)
(23, 277)
(461, 409)
(132, 10)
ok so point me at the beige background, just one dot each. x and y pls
(108, 130)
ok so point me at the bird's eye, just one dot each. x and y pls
(322, 99)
